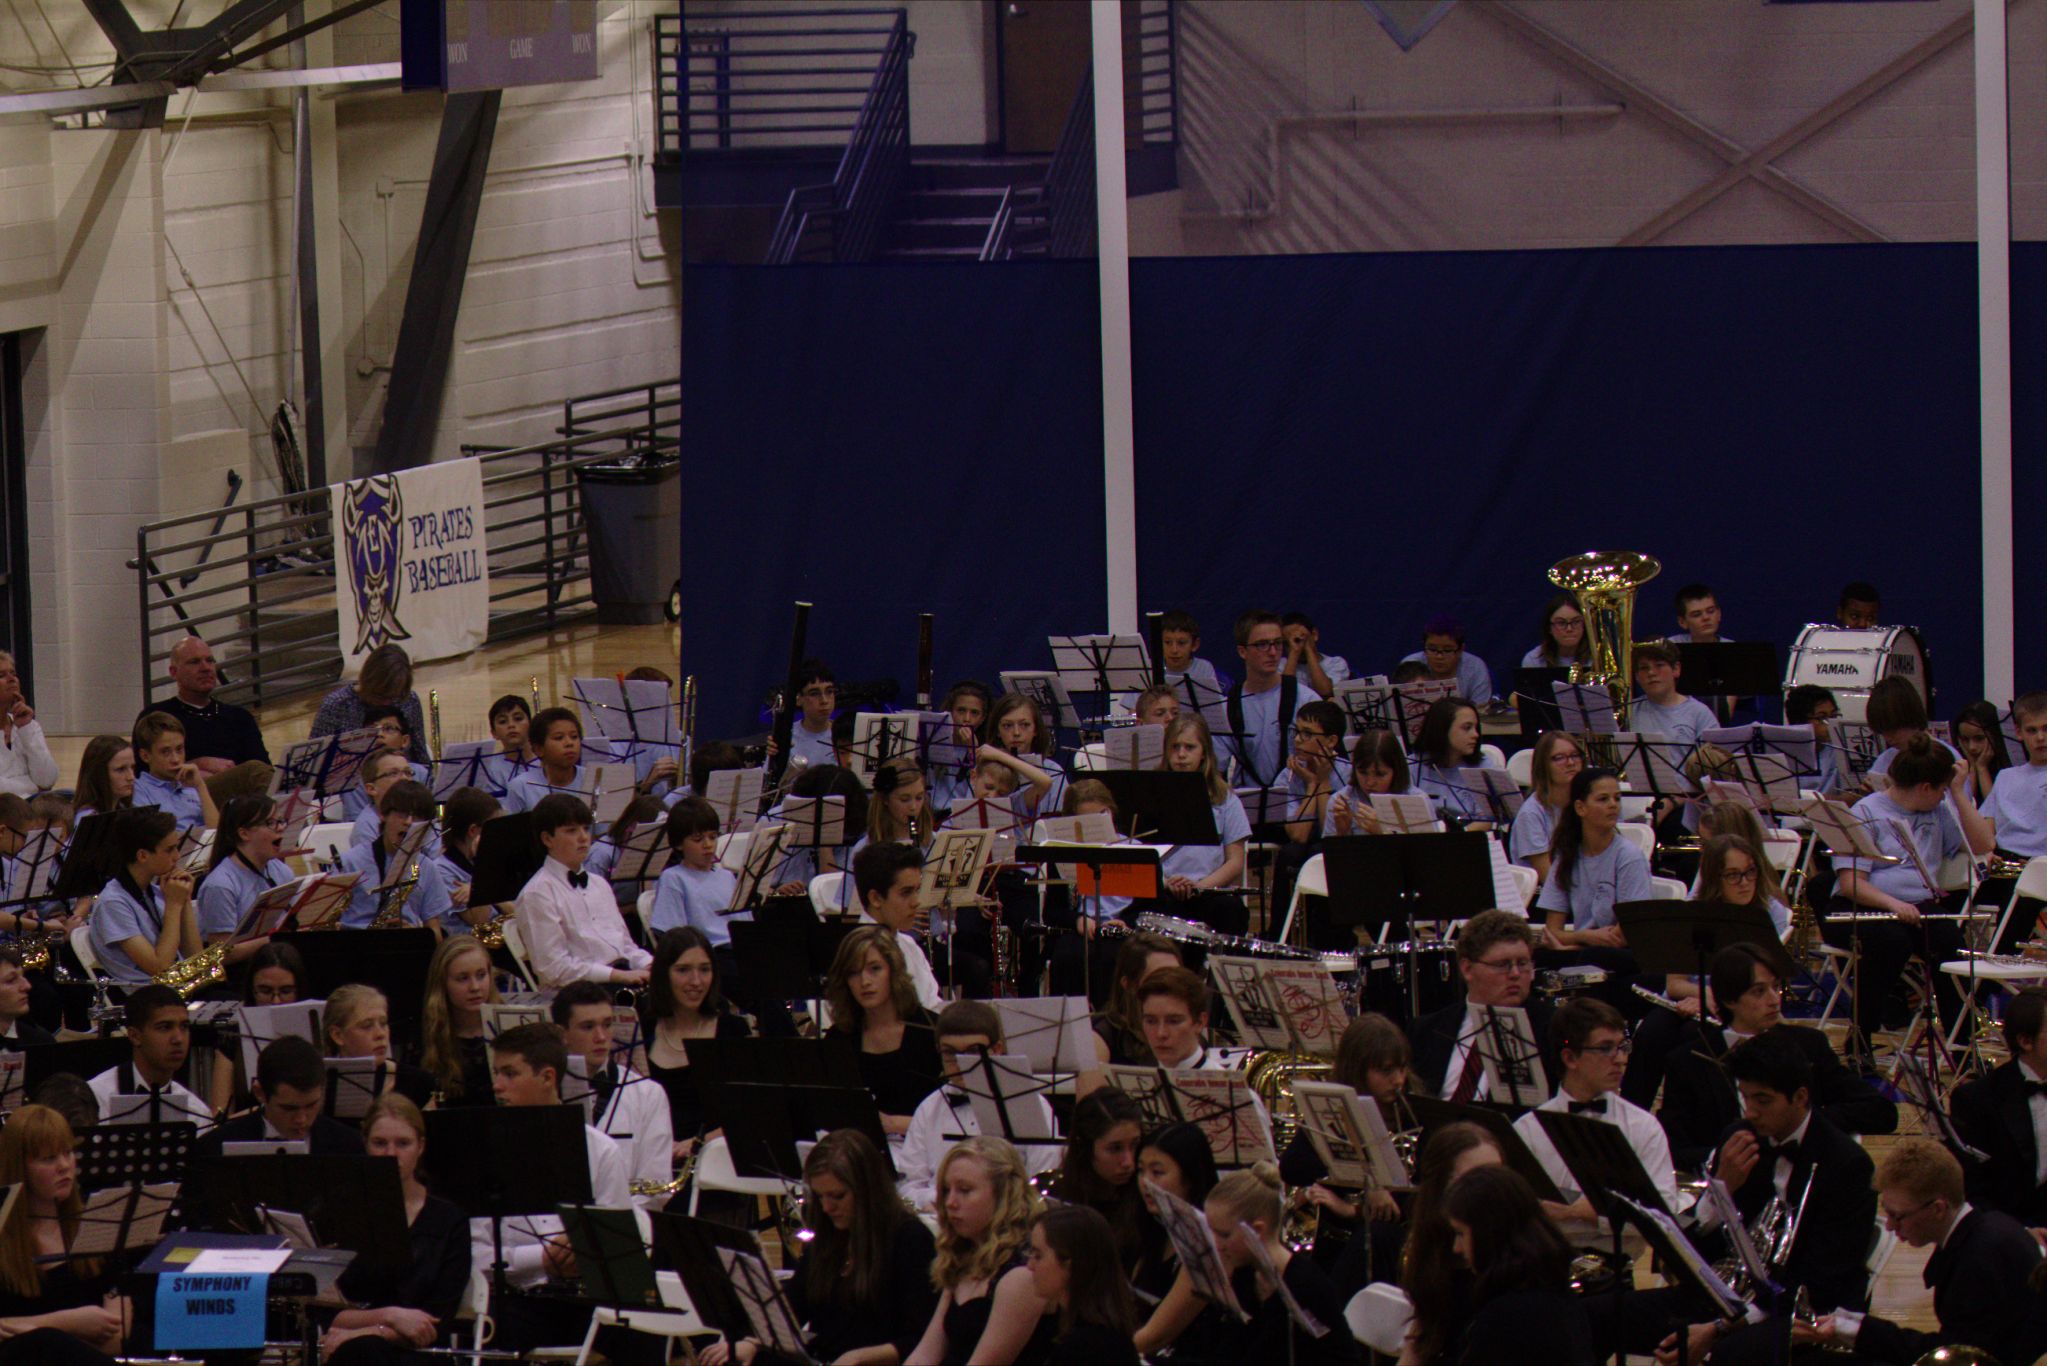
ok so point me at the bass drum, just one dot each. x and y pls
(1849, 662)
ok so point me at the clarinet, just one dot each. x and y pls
(785, 700)
(924, 622)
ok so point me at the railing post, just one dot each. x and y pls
(550, 579)
(721, 63)
(256, 609)
(142, 592)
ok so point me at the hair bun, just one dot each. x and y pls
(1267, 1174)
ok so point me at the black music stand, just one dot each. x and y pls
(507, 857)
(702, 1251)
(1681, 938)
(501, 1162)
(1727, 668)
(764, 1121)
(1536, 701)
(85, 1058)
(351, 1202)
(1383, 884)
(1161, 808)
(394, 961)
(128, 1154)
(785, 954)
(90, 863)
(612, 1265)
(1435, 1114)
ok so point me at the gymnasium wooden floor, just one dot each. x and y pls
(468, 686)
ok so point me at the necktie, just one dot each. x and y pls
(602, 1085)
(1467, 1080)
(1589, 1107)
(579, 880)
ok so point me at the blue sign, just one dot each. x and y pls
(210, 1311)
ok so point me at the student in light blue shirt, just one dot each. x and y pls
(693, 890)
(1592, 869)
(967, 703)
(1809, 704)
(1444, 655)
(1378, 764)
(1304, 657)
(1564, 644)
(1017, 727)
(817, 697)
(2017, 809)
(167, 782)
(1316, 773)
(1259, 715)
(1557, 760)
(1199, 878)
(1662, 709)
(379, 773)
(394, 733)
(1446, 750)
(1928, 808)
(453, 849)
(428, 902)
(245, 865)
(558, 752)
(144, 919)
(1698, 616)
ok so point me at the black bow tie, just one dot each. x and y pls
(1589, 1107)
(579, 880)
(2033, 1088)
(1788, 1150)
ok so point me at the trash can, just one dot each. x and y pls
(632, 512)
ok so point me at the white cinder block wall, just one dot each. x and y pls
(573, 287)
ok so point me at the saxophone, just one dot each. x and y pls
(190, 976)
(682, 1177)
(393, 915)
(491, 933)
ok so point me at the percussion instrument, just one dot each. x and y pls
(1850, 661)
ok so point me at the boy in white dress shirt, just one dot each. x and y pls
(568, 916)
(628, 1107)
(1591, 1040)
(946, 1116)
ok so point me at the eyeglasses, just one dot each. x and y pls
(1610, 1050)
(1567, 623)
(1896, 1217)
(1507, 965)
(1307, 733)
(1265, 645)
(1737, 875)
(1441, 650)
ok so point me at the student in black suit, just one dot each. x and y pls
(1496, 959)
(291, 1088)
(1978, 1272)
(17, 1030)
(2003, 1113)
(1522, 1309)
(1784, 1148)
(1699, 1097)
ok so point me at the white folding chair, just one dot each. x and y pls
(1639, 835)
(828, 893)
(1667, 889)
(515, 944)
(732, 849)
(675, 1320)
(643, 906)
(1497, 755)
(1378, 1317)
(81, 944)
(715, 1172)
(1526, 882)
(1312, 880)
(1781, 848)
(1090, 758)
(1521, 768)
(329, 840)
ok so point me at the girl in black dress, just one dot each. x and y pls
(1177, 1160)
(401, 1312)
(459, 984)
(685, 1001)
(55, 1313)
(1101, 1169)
(988, 1313)
(1437, 1282)
(874, 1003)
(1360, 1232)
(1246, 1213)
(863, 1284)
(1074, 1268)
(357, 1023)
(1521, 1306)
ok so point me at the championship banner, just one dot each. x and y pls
(411, 566)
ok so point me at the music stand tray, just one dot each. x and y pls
(1161, 808)
(1728, 668)
(1680, 938)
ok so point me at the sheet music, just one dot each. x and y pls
(764, 854)
(1903, 834)
(461, 765)
(1311, 1325)
(261, 1026)
(1056, 1033)
(31, 871)
(1369, 702)
(1092, 828)
(815, 822)
(1084, 662)
(355, 1084)
(1855, 746)
(1223, 1106)
(1731, 1305)
(100, 1221)
(1510, 1056)
(1653, 762)
(1587, 708)
(774, 1325)
(1048, 690)
(736, 793)
(1403, 813)
(1842, 830)
(13, 1081)
(1135, 747)
(609, 788)
(953, 866)
(1004, 1087)
(1193, 1240)
(1506, 892)
(644, 853)
(498, 1016)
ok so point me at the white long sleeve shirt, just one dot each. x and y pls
(524, 1235)
(26, 764)
(573, 934)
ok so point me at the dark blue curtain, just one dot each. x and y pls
(881, 441)
(1374, 439)
(2029, 456)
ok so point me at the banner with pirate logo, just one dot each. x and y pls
(410, 562)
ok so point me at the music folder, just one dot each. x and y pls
(1727, 668)
(1130, 870)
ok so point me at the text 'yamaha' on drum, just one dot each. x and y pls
(1849, 661)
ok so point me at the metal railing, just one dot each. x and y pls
(996, 247)
(778, 79)
(266, 598)
(1070, 181)
(854, 208)
(667, 86)
(1158, 75)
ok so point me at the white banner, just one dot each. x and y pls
(410, 563)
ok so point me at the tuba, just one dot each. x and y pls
(1605, 582)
